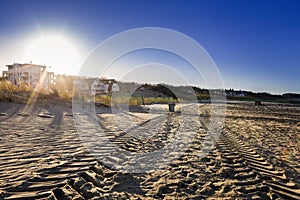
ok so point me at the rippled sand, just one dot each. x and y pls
(256, 156)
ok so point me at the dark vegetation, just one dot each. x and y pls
(149, 93)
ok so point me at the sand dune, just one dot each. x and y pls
(257, 156)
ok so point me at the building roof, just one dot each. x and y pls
(26, 64)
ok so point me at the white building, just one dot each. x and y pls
(232, 93)
(96, 86)
(108, 86)
(31, 74)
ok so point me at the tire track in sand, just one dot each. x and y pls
(259, 168)
(37, 155)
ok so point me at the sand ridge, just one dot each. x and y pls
(256, 157)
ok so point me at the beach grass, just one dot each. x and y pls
(26, 94)
(113, 100)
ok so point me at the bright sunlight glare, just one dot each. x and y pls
(55, 51)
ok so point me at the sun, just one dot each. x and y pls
(55, 51)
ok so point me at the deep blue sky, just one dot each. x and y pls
(255, 44)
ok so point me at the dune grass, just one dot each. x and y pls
(114, 100)
(27, 95)
(12, 93)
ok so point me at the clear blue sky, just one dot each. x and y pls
(255, 44)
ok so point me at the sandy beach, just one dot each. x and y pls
(257, 156)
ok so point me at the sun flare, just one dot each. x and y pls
(56, 51)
